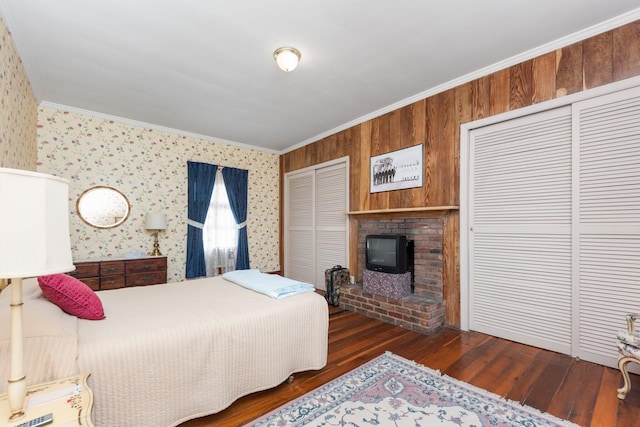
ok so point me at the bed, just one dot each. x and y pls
(168, 353)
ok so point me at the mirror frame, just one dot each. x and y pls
(115, 224)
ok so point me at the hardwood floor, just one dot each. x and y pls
(579, 391)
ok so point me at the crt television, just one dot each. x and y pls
(386, 253)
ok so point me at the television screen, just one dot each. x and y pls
(382, 251)
(386, 253)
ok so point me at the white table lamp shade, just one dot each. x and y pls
(34, 224)
(155, 221)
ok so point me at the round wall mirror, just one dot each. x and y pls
(103, 207)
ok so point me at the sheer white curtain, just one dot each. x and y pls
(220, 232)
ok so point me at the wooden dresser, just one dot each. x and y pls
(113, 273)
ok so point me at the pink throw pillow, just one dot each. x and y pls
(72, 296)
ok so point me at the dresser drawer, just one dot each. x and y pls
(147, 265)
(86, 269)
(111, 268)
(112, 282)
(92, 282)
(148, 278)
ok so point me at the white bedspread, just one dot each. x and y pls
(169, 353)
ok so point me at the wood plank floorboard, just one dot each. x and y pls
(551, 379)
(582, 392)
(580, 376)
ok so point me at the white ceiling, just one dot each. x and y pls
(205, 67)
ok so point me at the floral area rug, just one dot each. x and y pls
(393, 391)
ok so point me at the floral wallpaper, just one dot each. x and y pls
(18, 108)
(150, 168)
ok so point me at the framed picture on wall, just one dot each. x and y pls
(397, 170)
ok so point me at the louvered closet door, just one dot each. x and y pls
(316, 226)
(331, 221)
(520, 230)
(299, 227)
(607, 222)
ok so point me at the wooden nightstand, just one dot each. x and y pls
(70, 400)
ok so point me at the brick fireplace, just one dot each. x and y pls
(423, 310)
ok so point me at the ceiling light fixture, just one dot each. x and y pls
(287, 58)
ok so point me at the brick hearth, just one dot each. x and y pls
(422, 311)
(414, 312)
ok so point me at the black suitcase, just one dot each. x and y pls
(334, 278)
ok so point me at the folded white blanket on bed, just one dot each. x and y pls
(271, 285)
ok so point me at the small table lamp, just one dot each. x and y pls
(34, 225)
(155, 222)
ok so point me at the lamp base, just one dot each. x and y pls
(156, 246)
(15, 416)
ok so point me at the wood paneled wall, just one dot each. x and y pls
(435, 123)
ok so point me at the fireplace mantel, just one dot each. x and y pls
(424, 209)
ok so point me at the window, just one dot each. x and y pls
(220, 232)
(233, 187)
